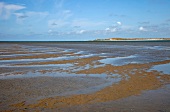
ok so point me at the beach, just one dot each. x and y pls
(85, 76)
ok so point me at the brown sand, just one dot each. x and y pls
(138, 82)
(150, 101)
(30, 90)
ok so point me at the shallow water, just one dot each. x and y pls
(165, 68)
(114, 53)
(118, 61)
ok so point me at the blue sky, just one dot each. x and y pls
(70, 20)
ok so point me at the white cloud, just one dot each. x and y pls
(119, 23)
(80, 32)
(142, 29)
(107, 29)
(20, 15)
(111, 30)
(13, 7)
(114, 28)
(49, 31)
(7, 9)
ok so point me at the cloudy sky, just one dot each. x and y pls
(65, 20)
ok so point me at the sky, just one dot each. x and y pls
(81, 20)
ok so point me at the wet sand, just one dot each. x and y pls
(32, 89)
(74, 79)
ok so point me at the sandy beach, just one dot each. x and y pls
(89, 76)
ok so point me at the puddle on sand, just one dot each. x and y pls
(89, 89)
(118, 61)
(41, 59)
(165, 68)
(114, 78)
(81, 52)
(108, 80)
(8, 63)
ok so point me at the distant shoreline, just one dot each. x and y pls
(133, 39)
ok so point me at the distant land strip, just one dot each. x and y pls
(133, 39)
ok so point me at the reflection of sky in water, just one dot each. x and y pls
(108, 81)
(114, 78)
(117, 61)
(67, 57)
(123, 54)
(157, 47)
(138, 47)
(165, 68)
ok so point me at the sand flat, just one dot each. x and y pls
(81, 80)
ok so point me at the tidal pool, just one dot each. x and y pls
(165, 68)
